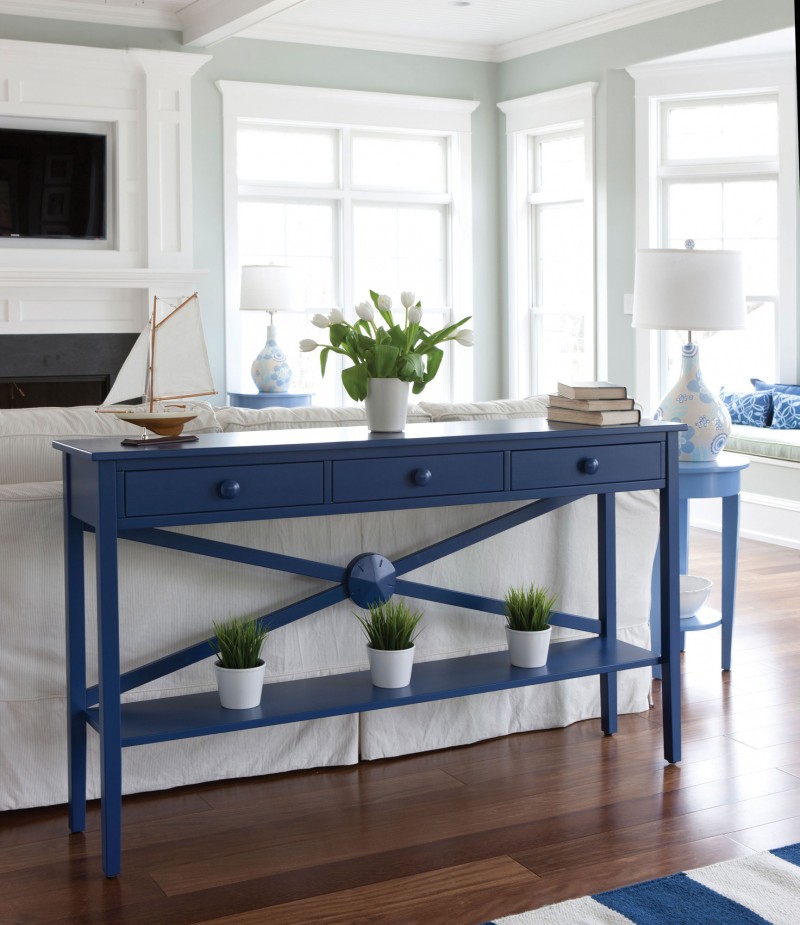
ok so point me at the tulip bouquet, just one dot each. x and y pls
(405, 351)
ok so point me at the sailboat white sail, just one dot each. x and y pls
(168, 362)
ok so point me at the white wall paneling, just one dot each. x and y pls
(141, 100)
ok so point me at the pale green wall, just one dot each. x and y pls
(598, 59)
(603, 59)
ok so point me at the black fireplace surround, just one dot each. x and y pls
(47, 370)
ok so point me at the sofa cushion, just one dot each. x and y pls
(27, 434)
(241, 419)
(533, 407)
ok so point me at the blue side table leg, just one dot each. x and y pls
(655, 609)
(730, 551)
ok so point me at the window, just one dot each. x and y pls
(552, 319)
(359, 191)
(718, 169)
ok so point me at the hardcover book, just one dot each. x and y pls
(591, 404)
(591, 390)
(599, 418)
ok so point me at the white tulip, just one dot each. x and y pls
(320, 321)
(385, 303)
(408, 299)
(414, 315)
(365, 311)
(466, 337)
(336, 317)
(307, 345)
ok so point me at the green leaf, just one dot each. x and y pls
(410, 368)
(354, 380)
(383, 361)
(323, 358)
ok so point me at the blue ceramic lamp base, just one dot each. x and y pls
(691, 402)
(270, 371)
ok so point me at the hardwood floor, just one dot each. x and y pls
(461, 836)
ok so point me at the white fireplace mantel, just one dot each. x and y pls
(142, 98)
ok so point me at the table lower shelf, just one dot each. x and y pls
(705, 619)
(170, 718)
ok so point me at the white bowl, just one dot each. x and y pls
(694, 592)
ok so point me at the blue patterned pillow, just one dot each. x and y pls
(787, 411)
(753, 408)
(759, 385)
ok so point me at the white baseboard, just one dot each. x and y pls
(762, 517)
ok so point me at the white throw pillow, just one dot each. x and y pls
(533, 407)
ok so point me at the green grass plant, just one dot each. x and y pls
(529, 608)
(238, 642)
(391, 625)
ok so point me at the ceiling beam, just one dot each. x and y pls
(206, 22)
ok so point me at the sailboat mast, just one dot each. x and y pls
(152, 353)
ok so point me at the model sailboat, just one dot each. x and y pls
(168, 362)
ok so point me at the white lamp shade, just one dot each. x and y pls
(689, 290)
(270, 288)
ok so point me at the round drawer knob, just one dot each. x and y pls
(422, 476)
(229, 489)
(590, 465)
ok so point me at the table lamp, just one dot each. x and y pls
(691, 290)
(270, 288)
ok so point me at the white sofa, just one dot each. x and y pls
(169, 600)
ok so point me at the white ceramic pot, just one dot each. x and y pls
(240, 688)
(387, 405)
(694, 593)
(528, 649)
(391, 667)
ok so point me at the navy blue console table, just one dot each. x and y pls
(130, 493)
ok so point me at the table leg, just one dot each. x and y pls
(109, 676)
(730, 550)
(76, 668)
(607, 602)
(683, 519)
(670, 619)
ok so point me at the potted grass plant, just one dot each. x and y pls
(239, 667)
(528, 610)
(391, 628)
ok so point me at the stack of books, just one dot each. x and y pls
(598, 403)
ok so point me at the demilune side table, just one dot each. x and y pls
(718, 478)
(131, 493)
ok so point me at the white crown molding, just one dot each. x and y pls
(147, 17)
(599, 25)
(341, 38)
(751, 65)
(609, 22)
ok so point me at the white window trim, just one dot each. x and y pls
(656, 83)
(365, 110)
(542, 113)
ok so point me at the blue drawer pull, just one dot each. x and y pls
(590, 465)
(422, 476)
(229, 489)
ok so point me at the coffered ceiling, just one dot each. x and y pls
(484, 30)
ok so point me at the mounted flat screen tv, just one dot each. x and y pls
(52, 184)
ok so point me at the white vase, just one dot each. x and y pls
(528, 649)
(240, 688)
(391, 667)
(387, 405)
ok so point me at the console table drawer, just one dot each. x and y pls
(224, 488)
(417, 476)
(585, 466)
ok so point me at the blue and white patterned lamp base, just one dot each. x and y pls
(691, 402)
(270, 371)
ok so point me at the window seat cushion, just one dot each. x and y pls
(765, 441)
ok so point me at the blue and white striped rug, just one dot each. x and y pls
(761, 889)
